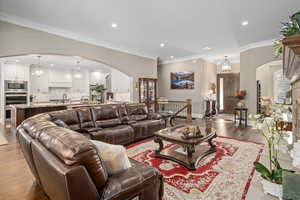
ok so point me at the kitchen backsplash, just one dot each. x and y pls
(57, 93)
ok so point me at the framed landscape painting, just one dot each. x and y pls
(182, 80)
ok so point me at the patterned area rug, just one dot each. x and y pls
(224, 175)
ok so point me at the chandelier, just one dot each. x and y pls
(38, 72)
(78, 74)
(226, 65)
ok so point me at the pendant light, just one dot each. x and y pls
(226, 65)
(38, 72)
(77, 73)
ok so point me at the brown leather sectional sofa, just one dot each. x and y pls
(67, 165)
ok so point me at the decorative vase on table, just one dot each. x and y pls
(240, 95)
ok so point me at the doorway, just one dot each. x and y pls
(227, 86)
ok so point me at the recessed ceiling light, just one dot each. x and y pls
(171, 57)
(114, 25)
(206, 48)
(162, 45)
(51, 65)
(245, 23)
(17, 61)
(77, 57)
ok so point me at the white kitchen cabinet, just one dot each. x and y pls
(60, 78)
(16, 72)
(40, 83)
(97, 78)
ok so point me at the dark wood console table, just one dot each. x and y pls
(241, 114)
(192, 151)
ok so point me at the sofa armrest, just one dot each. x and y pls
(129, 122)
(154, 116)
(89, 130)
(139, 180)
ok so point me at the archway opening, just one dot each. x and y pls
(61, 79)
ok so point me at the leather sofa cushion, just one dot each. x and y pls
(73, 148)
(34, 126)
(106, 116)
(132, 182)
(85, 118)
(121, 134)
(123, 113)
(147, 128)
(139, 117)
(137, 112)
(70, 117)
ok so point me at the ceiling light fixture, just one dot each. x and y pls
(226, 65)
(245, 23)
(171, 57)
(51, 65)
(77, 74)
(206, 48)
(114, 25)
(38, 72)
(194, 61)
(17, 61)
(162, 45)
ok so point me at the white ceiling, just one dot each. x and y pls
(57, 61)
(186, 27)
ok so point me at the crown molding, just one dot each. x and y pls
(211, 59)
(67, 34)
(216, 59)
(257, 44)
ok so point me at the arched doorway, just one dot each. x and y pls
(54, 78)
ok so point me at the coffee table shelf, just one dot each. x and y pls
(192, 152)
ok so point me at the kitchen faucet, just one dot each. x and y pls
(65, 97)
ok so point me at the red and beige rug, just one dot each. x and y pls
(224, 175)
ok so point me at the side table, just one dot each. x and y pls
(241, 114)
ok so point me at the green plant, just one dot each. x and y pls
(278, 48)
(274, 136)
(99, 88)
(290, 28)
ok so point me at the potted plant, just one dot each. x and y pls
(290, 28)
(99, 89)
(274, 136)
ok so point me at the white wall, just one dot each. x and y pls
(265, 74)
(121, 86)
(250, 60)
(204, 73)
(18, 40)
(97, 77)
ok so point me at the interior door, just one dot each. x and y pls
(228, 86)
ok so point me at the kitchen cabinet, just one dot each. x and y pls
(60, 78)
(39, 83)
(17, 72)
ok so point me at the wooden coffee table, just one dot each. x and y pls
(187, 152)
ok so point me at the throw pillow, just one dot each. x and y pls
(59, 122)
(114, 156)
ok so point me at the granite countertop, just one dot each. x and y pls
(45, 105)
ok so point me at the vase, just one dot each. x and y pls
(241, 103)
(272, 188)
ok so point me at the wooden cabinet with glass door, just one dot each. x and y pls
(148, 92)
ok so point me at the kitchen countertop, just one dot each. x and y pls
(43, 105)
